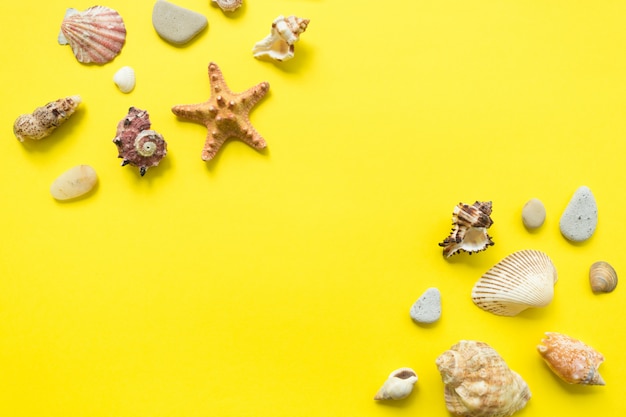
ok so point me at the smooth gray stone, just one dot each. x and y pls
(580, 218)
(427, 309)
(533, 214)
(176, 24)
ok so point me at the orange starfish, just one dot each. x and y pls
(225, 114)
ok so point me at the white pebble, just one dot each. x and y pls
(580, 218)
(427, 309)
(74, 182)
(533, 214)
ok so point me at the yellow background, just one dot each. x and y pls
(279, 283)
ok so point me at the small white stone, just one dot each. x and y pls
(74, 182)
(580, 218)
(176, 24)
(427, 309)
(533, 214)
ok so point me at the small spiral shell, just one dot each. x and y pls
(602, 277)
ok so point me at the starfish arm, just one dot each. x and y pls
(213, 143)
(251, 137)
(195, 112)
(253, 95)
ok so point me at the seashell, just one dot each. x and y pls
(398, 385)
(74, 183)
(96, 35)
(136, 143)
(478, 382)
(521, 280)
(44, 120)
(124, 78)
(602, 277)
(571, 360)
(469, 231)
(228, 5)
(279, 44)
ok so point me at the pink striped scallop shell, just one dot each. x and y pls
(96, 35)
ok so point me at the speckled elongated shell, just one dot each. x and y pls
(521, 280)
(478, 382)
(469, 229)
(572, 360)
(279, 44)
(602, 277)
(45, 119)
(96, 35)
(136, 143)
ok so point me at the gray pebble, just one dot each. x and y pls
(580, 218)
(427, 309)
(533, 214)
(176, 24)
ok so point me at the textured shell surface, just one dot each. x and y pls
(96, 35)
(478, 382)
(602, 277)
(522, 280)
(279, 44)
(45, 119)
(136, 143)
(469, 229)
(228, 5)
(124, 78)
(571, 360)
(398, 385)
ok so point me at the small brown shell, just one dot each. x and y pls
(602, 277)
(571, 360)
(469, 231)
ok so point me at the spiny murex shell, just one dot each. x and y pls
(479, 383)
(521, 280)
(469, 229)
(279, 44)
(398, 385)
(572, 360)
(42, 122)
(136, 143)
(95, 35)
(602, 277)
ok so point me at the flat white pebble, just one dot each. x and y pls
(124, 78)
(580, 218)
(74, 182)
(176, 24)
(427, 309)
(533, 214)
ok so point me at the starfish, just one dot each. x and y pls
(225, 114)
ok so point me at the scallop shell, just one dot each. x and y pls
(478, 382)
(469, 231)
(571, 360)
(124, 78)
(521, 280)
(136, 143)
(398, 385)
(96, 35)
(45, 119)
(279, 44)
(602, 277)
(228, 5)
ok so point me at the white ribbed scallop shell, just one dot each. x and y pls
(124, 78)
(96, 35)
(521, 280)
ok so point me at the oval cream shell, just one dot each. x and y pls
(74, 182)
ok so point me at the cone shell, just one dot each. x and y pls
(279, 44)
(96, 35)
(478, 382)
(45, 119)
(469, 229)
(572, 360)
(602, 277)
(398, 385)
(521, 280)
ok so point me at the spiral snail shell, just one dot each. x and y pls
(602, 277)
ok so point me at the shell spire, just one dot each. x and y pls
(469, 231)
(279, 44)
